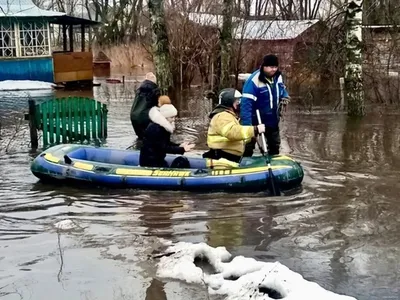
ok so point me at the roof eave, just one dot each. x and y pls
(69, 20)
(57, 19)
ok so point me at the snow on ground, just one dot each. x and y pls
(26, 94)
(239, 278)
(20, 85)
(242, 76)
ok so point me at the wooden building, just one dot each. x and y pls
(382, 48)
(101, 65)
(256, 38)
(381, 67)
(26, 50)
(282, 38)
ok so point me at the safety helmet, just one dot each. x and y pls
(228, 96)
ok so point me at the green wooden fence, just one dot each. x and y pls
(66, 120)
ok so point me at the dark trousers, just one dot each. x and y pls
(273, 142)
(217, 154)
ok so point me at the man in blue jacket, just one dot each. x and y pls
(264, 90)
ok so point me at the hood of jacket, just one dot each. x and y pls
(156, 117)
(220, 108)
(263, 77)
(148, 86)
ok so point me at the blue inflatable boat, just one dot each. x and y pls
(119, 168)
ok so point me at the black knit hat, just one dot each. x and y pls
(270, 60)
(228, 96)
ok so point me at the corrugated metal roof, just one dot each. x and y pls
(272, 30)
(257, 29)
(205, 19)
(24, 8)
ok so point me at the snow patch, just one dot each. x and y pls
(65, 225)
(240, 278)
(180, 265)
(22, 85)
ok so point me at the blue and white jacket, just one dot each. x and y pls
(264, 95)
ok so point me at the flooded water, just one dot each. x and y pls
(340, 230)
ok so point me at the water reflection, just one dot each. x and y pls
(156, 216)
(156, 291)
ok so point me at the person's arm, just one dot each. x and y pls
(228, 128)
(156, 139)
(173, 148)
(283, 93)
(249, 96)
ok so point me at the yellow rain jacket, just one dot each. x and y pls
(225, 132)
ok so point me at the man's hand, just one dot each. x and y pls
(285, 101)
(282, 105)
(261, 128)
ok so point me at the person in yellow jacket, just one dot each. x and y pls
(226, 138)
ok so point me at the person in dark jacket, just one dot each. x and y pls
(157, 138)
(264, 90)
(146, 97)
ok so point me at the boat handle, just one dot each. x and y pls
(102, 169)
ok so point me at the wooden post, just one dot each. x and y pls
(75, 113)
(64, 119)
(105, 111)
(87, 118)
(94, 119)
(57, 125)
(90, 38)
(99, 117)
(341, 81)
(83, 37)
(181, 70)
(51, 121)
(212, 74)
(64, 33)
(33, 125)
(45, 128)
(71, 37)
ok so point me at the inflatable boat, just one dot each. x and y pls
(119, 168)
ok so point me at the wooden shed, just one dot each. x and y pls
(381, 65)
(26, 48)
(382, 48)
(101, 65)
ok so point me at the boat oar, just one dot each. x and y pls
(274, 187)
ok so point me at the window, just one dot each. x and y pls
(7, 40)
(34, 38)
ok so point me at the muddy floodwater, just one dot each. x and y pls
(340, 230)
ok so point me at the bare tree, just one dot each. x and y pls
(160, 45)
(226, 42)
(353, 76)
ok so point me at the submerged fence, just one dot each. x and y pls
(66, 120)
